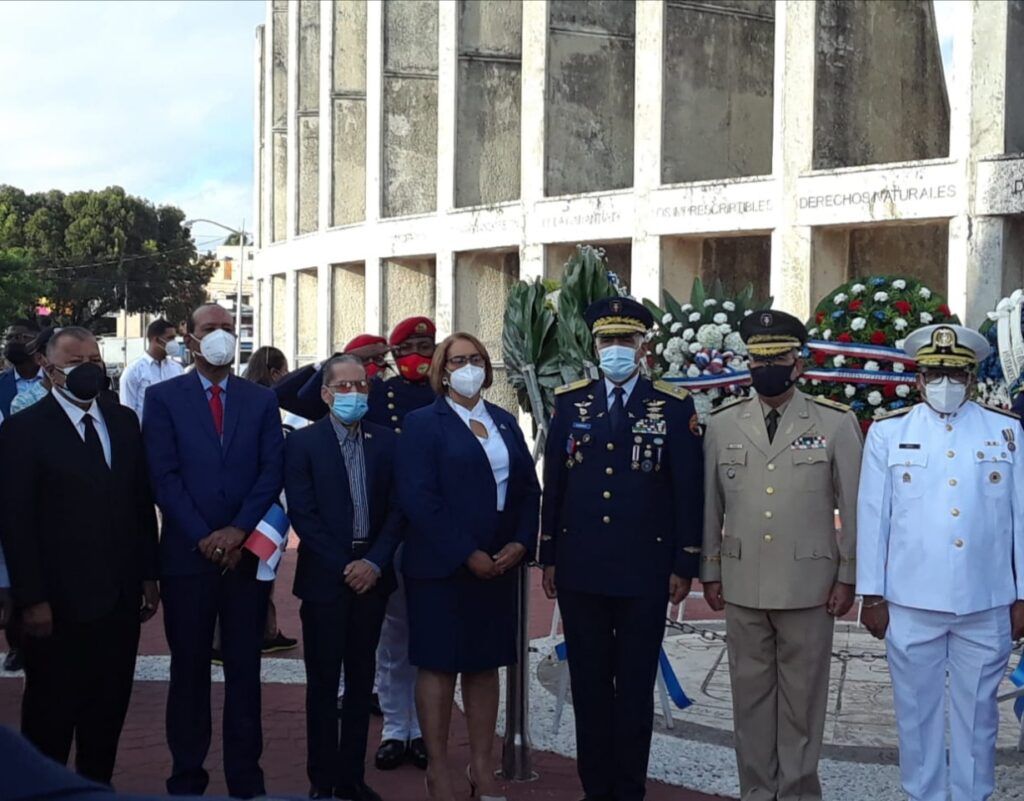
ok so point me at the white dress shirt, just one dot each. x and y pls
(140, 375)
(627, 388)
(493, 444)
(940, 512)
(76, 415)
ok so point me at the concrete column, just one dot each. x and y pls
(792, 152)
(977, 112)
(647, 94)
(291, 313)
(324, 312)
(266, 213)
(374, 296)
(257, 135)
(532, 121)
(374, 104)
(444, 293)
(291, 184)
(447, 80)
(326, 159)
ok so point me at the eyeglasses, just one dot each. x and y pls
(350, 386)
(423, 348)
(961, 377)
(461, 361)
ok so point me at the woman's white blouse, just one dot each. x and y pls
(493, 445)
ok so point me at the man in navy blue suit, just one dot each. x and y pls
(340, 489)
(621, 533)
(19, 353)
(215, 452)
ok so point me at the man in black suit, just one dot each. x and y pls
(79, 533)
(339, 485)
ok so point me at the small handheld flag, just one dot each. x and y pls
(1017, 678)
(268, 542)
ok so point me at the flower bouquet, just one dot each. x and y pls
(698, 345)
(856, 338)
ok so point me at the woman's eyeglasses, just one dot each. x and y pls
(461, 361)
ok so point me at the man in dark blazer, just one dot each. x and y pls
(215, 452)
(79, 533)
(341, 500)
(23, 369)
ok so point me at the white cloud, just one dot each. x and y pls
(153, 96)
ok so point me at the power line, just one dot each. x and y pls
(124, 259)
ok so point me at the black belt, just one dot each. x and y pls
(360, 547)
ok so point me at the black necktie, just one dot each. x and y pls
(92, 441)
(773, 423)
(616, 412)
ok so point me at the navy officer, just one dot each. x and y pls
(620, 536)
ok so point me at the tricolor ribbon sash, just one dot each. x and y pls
(850, 376)
(268, 542)
(857, 350)
(724, 379)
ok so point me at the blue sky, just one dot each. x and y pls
(153, 95)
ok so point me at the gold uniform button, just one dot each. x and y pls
(950, 454)
(610, 446)
(606, 519)
(606, 495)
(955, 512)
(952, 482)
(958, 543)
(771, 466)
(768, 515)
(767, 537)
(770, 490)
(608, 471)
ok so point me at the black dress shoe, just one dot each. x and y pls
(13, 662)
(390, 755)
(418, 753)
(357, 792)
(321, 792)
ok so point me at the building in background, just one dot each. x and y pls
(416, 156)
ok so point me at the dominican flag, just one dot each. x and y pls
(1017, 678)
(268, 542)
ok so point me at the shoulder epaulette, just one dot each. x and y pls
(729, 404)
(674, 390)
(831, 404)
(572, 386)
(893, 413)
(998, 410)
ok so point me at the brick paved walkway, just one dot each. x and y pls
(143, 761)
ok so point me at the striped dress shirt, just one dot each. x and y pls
(351, 442)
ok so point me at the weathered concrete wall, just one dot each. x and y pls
(348, 174)
(914, 251)
(409, 177)
(409, 286)
(735, 260)
(308, 166)
(879, 94)
(305, 317)
(482, 283)
(279, 120)
(348, 309)
(589, 131)
(1015, 77)
(489, 92)
(618, 254)
(279, 309)
(717, 98)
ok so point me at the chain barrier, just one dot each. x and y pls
(843, 655)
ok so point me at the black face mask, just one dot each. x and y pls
(772, 380)
(86, 381)
(16, 353)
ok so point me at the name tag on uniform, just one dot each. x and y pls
(734, 446)
(913, 446)
(578, 424)
(809, 442)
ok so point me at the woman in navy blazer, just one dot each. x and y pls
(469, 490)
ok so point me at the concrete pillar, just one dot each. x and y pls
(447, 79)
(444, 290)
(374, 113)
(259, 112)
(792, 153)
(291, 316)
(531, 159)
(324, 294)
(978, 129)
(647, 101)
(325, 172)
(291, 183)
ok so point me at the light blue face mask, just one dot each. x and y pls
(618, 362)
(349, 407)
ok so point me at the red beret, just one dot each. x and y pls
(412, 327)
(363, 340)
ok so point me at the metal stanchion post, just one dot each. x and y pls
(515, 756)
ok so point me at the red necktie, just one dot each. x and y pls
(217, 409)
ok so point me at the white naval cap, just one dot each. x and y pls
(946, 345)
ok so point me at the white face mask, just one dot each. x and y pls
(173, 348)
(467, 380)
(944, 396)
(218, 347)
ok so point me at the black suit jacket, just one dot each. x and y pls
(80, 538)
(320, 506)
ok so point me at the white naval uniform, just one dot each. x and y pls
(940, 526)
(396, 678)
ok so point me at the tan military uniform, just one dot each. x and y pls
(770, 538)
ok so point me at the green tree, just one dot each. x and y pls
(232, 240)
(20, 286)
(103, 251)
